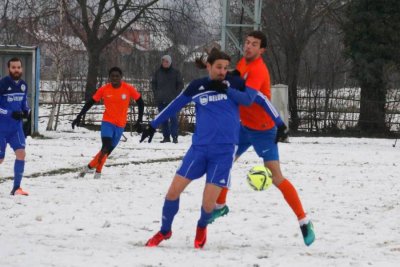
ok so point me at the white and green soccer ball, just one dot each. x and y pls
(259, 178)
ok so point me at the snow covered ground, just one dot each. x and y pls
(349, 187)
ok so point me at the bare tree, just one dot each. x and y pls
(98, 23)
(291, 24)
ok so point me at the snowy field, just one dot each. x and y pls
(349, 187)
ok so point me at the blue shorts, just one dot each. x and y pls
(262, 141)
(112, 131)
(15, 138)
(214, 160)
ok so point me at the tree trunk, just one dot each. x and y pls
(50, 123)
(93, 72)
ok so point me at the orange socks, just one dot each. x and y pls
(292, 198)
(221, 200)
(102, 160)
(289, 193)
(98, 161)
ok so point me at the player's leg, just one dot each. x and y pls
(108, 145)
(169, 210)
(106, 133)
(210, 195)
(220, 160)
(3, 145)
(221, 209)
(17, 142)
(266, 148)
(192, 167)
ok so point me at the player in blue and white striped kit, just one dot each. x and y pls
(217, 99)
(13, 109)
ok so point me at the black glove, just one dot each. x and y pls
(282, 133)
(18, 115)
(218, 86)
(26, 114)
(137, 127)
(148, 132)
(234, 72)
(77, 121)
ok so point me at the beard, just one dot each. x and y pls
(16, 75)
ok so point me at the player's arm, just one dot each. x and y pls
(235, 89)
(264, 102)
(245, 98)
(175, 106)
(95, 98)
(4, 112)
(282, 132)
(24, 105)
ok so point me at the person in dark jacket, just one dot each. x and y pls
(166, 84)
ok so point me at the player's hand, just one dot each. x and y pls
(17, 115)
(218, 86)
(26, 114)
(234, 72)
(77, 121)
(282, 133)
(148, 132)
(137, 127)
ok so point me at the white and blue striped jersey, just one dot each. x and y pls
(217, 114)
(13, 97)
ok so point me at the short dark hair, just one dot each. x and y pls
(14, 59)
(260, 36)
(213, 56)
(117, 69)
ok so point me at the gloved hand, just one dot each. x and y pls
(77, 121)
(26, 114)
(218, 86)
(234, 72)
(137, 127)
(18, 115)
(148, 132)
(282, 133)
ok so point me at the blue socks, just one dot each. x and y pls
(18, 172)
(170, 209)
(204, 218)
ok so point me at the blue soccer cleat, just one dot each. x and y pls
(308, 233)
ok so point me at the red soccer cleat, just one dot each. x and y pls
(201, 237)
(157, 238)
(19, 192)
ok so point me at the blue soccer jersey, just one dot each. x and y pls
(13, 97)
(217, 114)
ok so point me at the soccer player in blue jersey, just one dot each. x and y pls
(13, 109)
(217, 99)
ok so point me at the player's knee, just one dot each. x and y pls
(20, 154)
(107, 145)
(1, 161)
(172, 195)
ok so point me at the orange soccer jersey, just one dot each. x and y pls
(257, 78)
(116, 102)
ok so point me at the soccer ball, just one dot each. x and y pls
(259, 178)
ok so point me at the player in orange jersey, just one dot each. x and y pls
(116, 96)
(258, 130)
